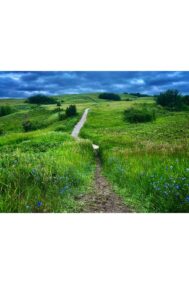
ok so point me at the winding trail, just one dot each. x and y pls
(102, 199)
(79, 125)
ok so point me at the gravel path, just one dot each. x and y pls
(79, 125)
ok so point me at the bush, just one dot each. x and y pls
(27, 126)
(171, 99)
(41, 99)
(5, 110)
(186, 100)
(109, 96)
(139, 115)
(58, 104)
(71, 111)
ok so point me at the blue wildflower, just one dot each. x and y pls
(39, 203)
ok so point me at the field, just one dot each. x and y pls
(46, 170)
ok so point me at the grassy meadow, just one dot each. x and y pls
(46, 170)
(147, 162)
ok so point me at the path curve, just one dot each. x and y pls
(79, 125)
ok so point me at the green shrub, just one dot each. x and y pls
(171, 99)
(109, 96)
(134, 115)
(186, 100)
(71, 111)
(29, 125)
(5, 110)
(41, 99)
(58, 104)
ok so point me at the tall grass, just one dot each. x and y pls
(48, 178)
(146, 162)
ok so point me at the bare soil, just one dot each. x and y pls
(102, 199)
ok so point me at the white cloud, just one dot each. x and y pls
(137, 82)
(13, 76)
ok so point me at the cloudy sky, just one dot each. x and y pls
(24, 84)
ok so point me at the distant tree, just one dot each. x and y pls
(109, 96)
(41, 99)
(139, 95)
(171, 99)
(71, 111)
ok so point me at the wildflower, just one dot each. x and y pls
(177, 186)
(187, 169)
(171, 167)
(39, 203)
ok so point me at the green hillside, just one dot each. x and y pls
(46, 170)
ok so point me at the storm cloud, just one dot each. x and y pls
(22, 84)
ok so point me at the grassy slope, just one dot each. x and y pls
(147, 162)
(43, 170)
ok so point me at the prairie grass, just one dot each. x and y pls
(147, 162)
(47, 171)
(45, 174)
(43, 170)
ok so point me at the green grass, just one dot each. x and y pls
(47, 171)
(43, 170)
(147, 162)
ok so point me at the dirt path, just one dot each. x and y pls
(102, 199)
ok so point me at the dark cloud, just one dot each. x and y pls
(26, 83)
